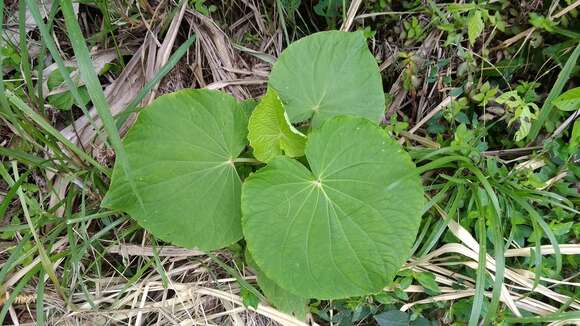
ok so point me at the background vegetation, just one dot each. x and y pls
(470, 88)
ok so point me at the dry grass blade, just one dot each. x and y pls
(218, 51)
(167, 251)
(164, 51)
(350, 15)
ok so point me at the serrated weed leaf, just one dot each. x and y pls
(181, 151)
(343, 227)
(270, 133)
(328, 74)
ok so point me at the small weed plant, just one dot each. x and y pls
(332, 210)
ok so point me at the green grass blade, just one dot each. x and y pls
(13, 260)
(563, 77)
(16, 291)
(441, 226)
(95, 90)
(12, 193)
(481, 270)
(233, 273)
(3, 101)
(24, 57)
(545, 227)
(497, 234)
(40, 300)
(49, 129)
(159, 264)
(51, 45)
(44, 258)
(42, 54)
(27, 158)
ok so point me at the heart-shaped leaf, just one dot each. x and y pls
(342, 228)
(181, 152)
(270, 133)
(328, 74)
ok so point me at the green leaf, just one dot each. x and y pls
(181, 151)
(328, 74)
(427, 280)
(64, 100)
(248, 107)
(279, 297)
(248, 298)
(393, 318)
(499, 22)
(342, 228)
(542, 22)
(569, 101)
(474, 26)
(270, 133)
(328, 8)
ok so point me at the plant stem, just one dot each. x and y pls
(247, 160)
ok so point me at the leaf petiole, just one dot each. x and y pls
(246, 160)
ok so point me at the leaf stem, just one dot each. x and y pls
(246, 160)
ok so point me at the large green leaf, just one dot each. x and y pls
(342, 228)
(270, 134)
(181, 151)
(328, 74)
(279, 297)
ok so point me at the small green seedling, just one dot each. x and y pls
(333, 210)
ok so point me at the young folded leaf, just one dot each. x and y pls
(181, 151)
(270, 133)
(343, 227)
